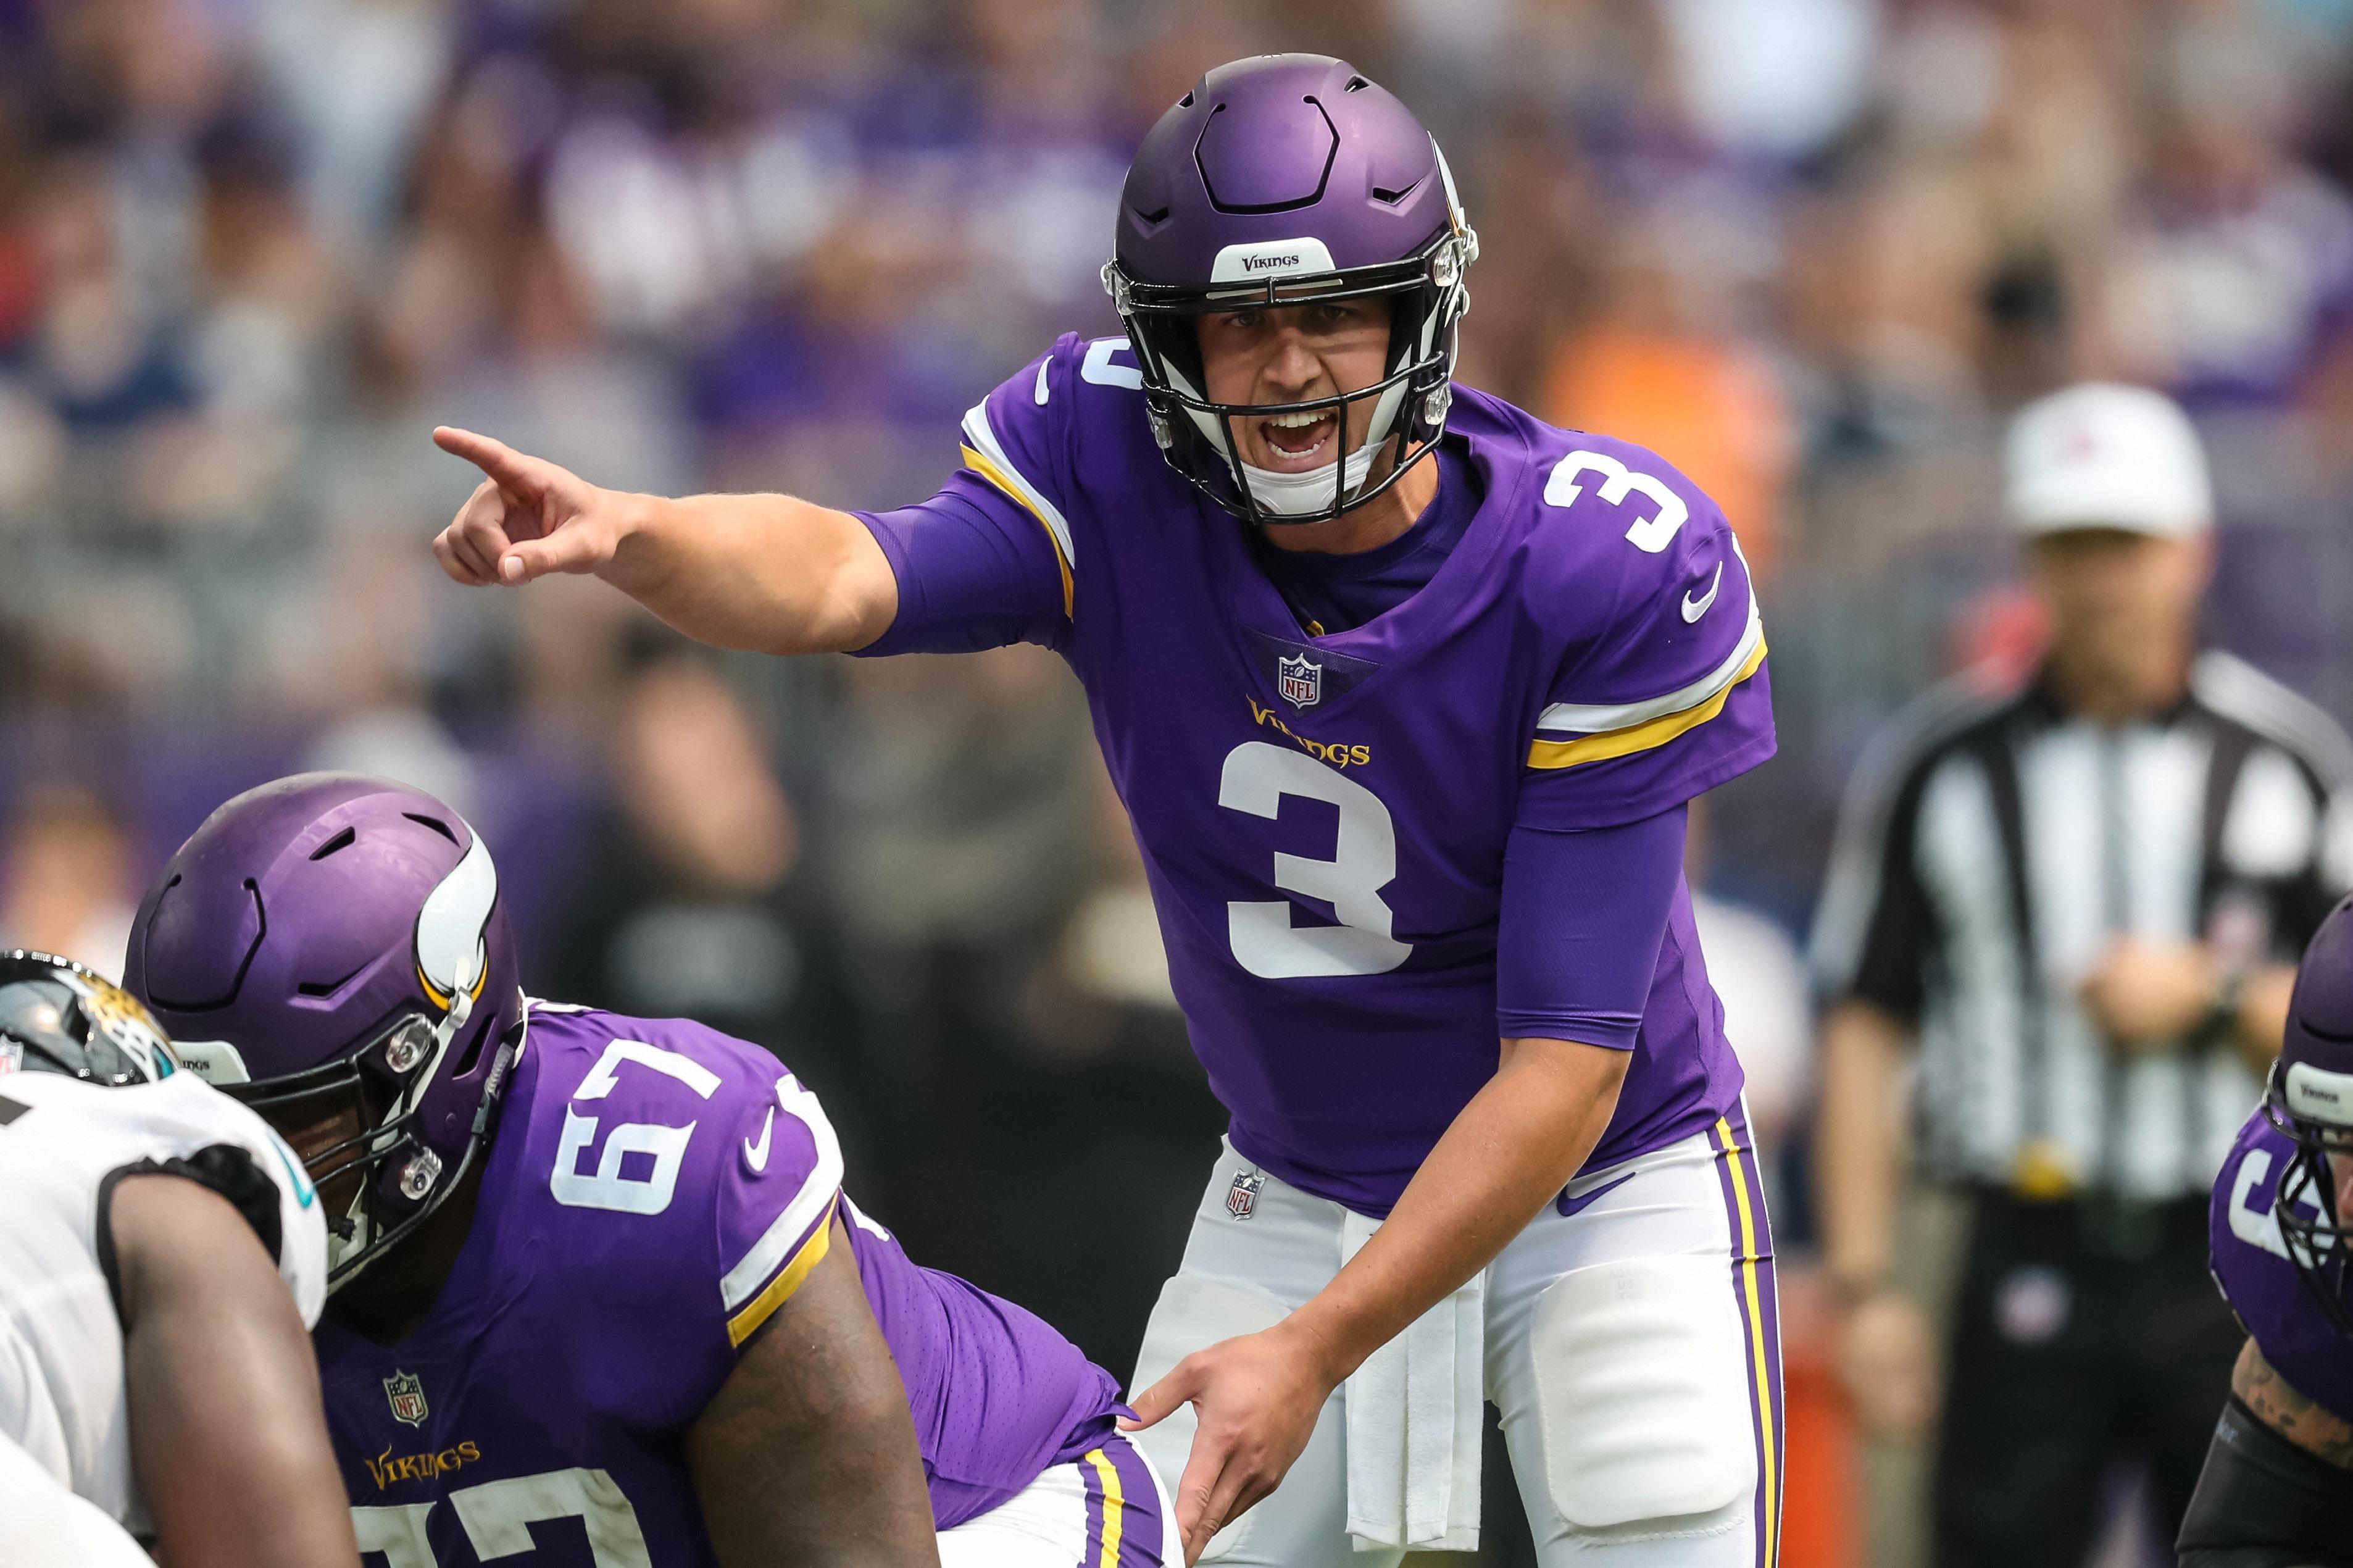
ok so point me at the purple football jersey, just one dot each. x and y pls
(2251, 1263)
(654, 1191)
(1324, 818)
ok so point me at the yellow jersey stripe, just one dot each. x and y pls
(980, 463)
(1114, 1505)
(746, 1323)
(1641, 737)
(1756, 1340)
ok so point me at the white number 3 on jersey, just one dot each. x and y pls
(1256, 778)
(1652, 533)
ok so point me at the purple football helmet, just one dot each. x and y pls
(2309, 1096)
(334, 947)
(1287, 180)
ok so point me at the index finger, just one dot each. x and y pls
(508, 467)
(1154, 1404)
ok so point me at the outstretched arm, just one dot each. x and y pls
(226, 1437)
(807, 1456)
(766, 573)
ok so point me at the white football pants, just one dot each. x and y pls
(1104, 1510)
(1632, 1346)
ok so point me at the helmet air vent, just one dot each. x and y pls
(435, 824)
(326, 987)
(1185, 101)
(342, 841)
(1356, 84)
(1388, 197)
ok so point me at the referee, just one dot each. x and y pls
(2079, 904)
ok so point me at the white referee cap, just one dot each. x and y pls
(2105, 455)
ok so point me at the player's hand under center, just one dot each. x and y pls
(1257, 1397)
(526, 519)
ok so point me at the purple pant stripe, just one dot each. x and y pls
(1142, 1543)
(1092, 1556)
(1736, 1163)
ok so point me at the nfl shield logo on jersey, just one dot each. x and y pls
(1301, 681)
(1243, 1196)
(406, 1393)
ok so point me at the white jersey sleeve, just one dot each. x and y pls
(62, 1145)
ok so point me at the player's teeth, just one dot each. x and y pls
(1297, 421)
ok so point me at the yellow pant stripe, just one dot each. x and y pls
(1756, 1340)
(1114, 1505)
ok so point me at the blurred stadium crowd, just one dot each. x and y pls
(1813, 250)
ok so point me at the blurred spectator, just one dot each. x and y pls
(685, 906)
(68, 885)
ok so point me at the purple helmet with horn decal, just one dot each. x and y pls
(335, 951)
(2310, 1097)
(1288, 180)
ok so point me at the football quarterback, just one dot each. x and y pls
(2277, 1488)
(1406, 694)
(161, 1256)
(594, 1280)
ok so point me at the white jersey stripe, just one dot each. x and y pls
(775, 1246)
(984, 441)
(1582, 718)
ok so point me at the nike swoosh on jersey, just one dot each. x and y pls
(756, 1155)
(1694, 610)
(1579, 1203)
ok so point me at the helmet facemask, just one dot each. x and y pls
(2319, 1240)
(1408, 406)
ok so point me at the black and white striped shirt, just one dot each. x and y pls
(1990, 849)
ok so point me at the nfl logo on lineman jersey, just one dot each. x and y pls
(405, 1391)
(1301, 681)
(1242, 1198)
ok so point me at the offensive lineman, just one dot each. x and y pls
(595, 1277)
(161, 1256)
(2277, 1488)
(1406, 695)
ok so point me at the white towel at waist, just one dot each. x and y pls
(1414, 1414)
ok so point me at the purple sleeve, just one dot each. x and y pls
(1576, 945)
(975, 571)
(1664, 694)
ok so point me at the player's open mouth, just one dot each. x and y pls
(1300, 437)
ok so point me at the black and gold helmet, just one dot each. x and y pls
(58, 1016)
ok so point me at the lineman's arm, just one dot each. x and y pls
(226, 1437)
(766, 572)
(2303, 1422)
(806, 1455)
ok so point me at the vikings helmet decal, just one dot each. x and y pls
(1289, 180)
(334, 951)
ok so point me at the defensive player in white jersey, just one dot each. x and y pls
(162, 1257)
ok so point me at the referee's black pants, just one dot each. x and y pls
(2084, 1332)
